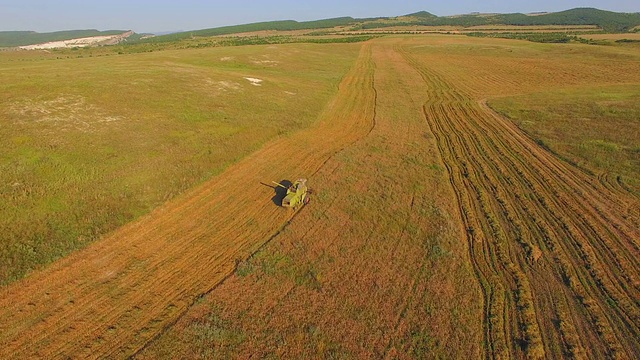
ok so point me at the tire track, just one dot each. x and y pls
(543, 238)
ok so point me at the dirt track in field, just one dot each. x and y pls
(554, 249)
(113, 297)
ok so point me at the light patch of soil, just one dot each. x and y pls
(224, 85)
(80, 42)
(65, 112)
(266, 62)
(254, 81)
(228, 85)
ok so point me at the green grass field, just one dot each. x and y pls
(595, 127)
(90, 144)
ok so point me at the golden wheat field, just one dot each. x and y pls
(451, 215)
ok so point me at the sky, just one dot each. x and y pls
(164, 15)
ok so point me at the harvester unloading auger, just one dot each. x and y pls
(297, 193)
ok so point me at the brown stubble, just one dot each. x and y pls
(551, 245)
(437, 229)
(372, 268)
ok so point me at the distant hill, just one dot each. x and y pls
(422, 15)
(607, 20)
(22, 38)
(283, 25)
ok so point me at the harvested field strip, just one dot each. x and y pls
(507, 67)
(556, 257)
(373, 268)
(111, 298)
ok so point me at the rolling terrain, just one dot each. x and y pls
(114, 296)
(578, 19)
(438, 228)
(94, 143)
(553, 249)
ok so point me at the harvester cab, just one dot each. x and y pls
(297, 194)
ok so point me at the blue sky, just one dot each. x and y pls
(165, 15)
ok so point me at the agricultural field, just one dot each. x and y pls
(92, 143)
(635, 36)
(473, 198)
(553, 277)
(497, 29)
(533, 28)
(582, 126)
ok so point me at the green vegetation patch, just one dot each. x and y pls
(213, 334)
(284, 25)
(90, 144)
(607, 20)
(556, 38)
(594, 128)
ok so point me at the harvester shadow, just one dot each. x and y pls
(280, 191)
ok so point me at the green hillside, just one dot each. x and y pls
(423, 14)
(22, 38)
(607, 20)
(283, 25)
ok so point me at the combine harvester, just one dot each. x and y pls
(297, 194)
